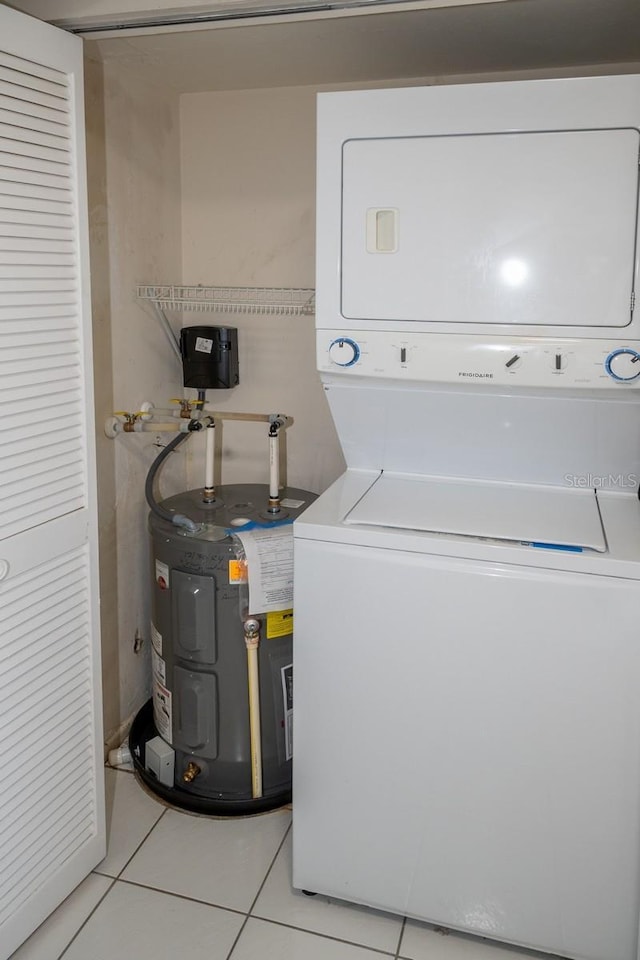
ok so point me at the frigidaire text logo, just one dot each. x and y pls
(485, 376)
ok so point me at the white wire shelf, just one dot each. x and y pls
(281, 301)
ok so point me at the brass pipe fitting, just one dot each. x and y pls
(191, 772)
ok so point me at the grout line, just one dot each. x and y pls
(404, 923)
(180, 896)
(88, 917)
(270, 868)
(143, 841)
(290, 926)
(255, 899)
(326, 936)
(329, 936)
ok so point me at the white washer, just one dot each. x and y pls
(467, 594)
(468, 723)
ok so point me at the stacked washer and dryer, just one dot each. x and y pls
(468, 676)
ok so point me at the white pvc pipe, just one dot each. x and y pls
(113, 426)
(204, 411)
(274, 467)
(209, 457)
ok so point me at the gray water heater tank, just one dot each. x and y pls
(199, 659)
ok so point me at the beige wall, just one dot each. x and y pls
(248, 217)
(135, 223)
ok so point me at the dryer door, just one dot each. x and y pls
(534, 229)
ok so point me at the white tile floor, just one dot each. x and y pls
(174, 885)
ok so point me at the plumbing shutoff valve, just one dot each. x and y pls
(209, 357)
(187, 406)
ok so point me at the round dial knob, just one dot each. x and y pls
(346, 352)
(623, 364)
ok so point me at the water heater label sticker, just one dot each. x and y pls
(159, 667)
(279, 624)
(237, 571)
(269, 556)
(162, 713)
(156, 639)
(162, 575)
(292, 504)
(203, 345)
(287, 696)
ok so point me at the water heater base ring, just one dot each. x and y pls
(142, 730)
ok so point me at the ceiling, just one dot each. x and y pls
(514, 35)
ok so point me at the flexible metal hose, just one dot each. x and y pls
(177, 518)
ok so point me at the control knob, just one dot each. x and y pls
(345, 352)
(623, 364)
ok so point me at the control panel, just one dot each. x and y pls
(502, 361)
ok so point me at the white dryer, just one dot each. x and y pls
(467, 645)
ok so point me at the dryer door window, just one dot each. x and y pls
(535, 229)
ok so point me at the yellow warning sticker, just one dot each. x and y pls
(279, 624)
(237, 571)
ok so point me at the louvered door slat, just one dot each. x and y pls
(36, 245)
(39, 217)
(11, 314)
(18, 286)
(32, 161)
(52, 818)
(34, 191)
(23, 148)
(40, 508)
(22, 258)
(44, 812)
(22, 175)
(29, 77)
(46, 815)
(33, 271)
(59, 628)
(54, 580)
(35, 232)
(58, 459)
(56, 393)
(34, 343)
(37, 426)
(16, 119)
(45, 865)
(58, 672)
(23, 134)
(65, 696)
(39, 368)
(16, 299)
(32, 803)
(37, 111)
(59, 479)
(29, 67)
(65, 720)
(45, 665)
(37, 340)
(22, 201)
(67, 434)
(45, 765)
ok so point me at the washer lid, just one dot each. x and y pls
(530, 513)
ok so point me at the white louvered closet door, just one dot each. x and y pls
(51, 779)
